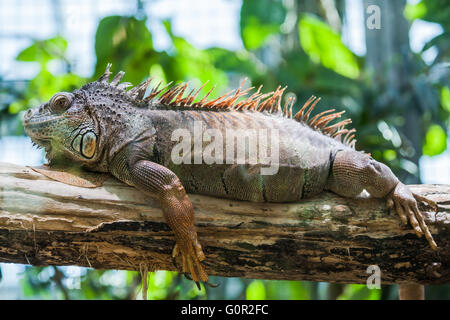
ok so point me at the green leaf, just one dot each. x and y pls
(359, 292)
(16, 107)
(44, 50)
(389, 155)
(415, 11)
(435, 141)
(256, 291)
(445, 98)
(324, 46)
(259, 19)
(127, 44)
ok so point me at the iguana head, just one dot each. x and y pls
(90, 124)
(64, 126)
(73, 125)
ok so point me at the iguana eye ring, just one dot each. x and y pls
(61, 101)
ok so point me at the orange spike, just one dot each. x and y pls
(180, 94)
(224, 103)
(245, 92)
(241, 85)
(237, 96)
(262, 106)
(251, 106)
(139, 91)
(306, 117)
(317, 117)
(346, 137)
(196, 93)
(268, 104)
(249, 101)
(333, 127)
(257, 93)
(276, 106)
(339, 133)
(326, 119)
(165, 97)
(307, 103)
(155, 91)
(350, 139)
(286, 105)
(291, 107)
(278, 100)
(168, 95)
(185, 101)
(165, 87)
(202, 102)
(211, 103)
(246, 104)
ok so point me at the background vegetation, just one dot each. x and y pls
(399, 104)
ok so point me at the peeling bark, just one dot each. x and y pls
(327, 238)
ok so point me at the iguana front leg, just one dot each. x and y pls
(159, 181)
(354, 171)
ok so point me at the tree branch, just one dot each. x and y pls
(327, 238)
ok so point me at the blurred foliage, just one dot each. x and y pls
(315, 62)
(323, 45)
(435, 141)
(45, 84)
(360, 292)
(260, 19)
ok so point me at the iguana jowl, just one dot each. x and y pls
(106, 128)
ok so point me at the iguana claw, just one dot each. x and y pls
(209, 284)
(405, 204)
(191, 255)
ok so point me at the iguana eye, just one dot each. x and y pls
(88, 144)
(61, 101)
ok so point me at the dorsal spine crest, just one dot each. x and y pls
(172, 96)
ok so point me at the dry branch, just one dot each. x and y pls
(328, 238)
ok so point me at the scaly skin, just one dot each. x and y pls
(104, 128)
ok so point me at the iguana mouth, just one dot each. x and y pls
(41, 143)
(39, 128)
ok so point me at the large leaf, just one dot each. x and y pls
(323, 45)
(127, 44)
(44, 50)
(259, 19)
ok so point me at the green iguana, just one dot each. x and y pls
(106, 128)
